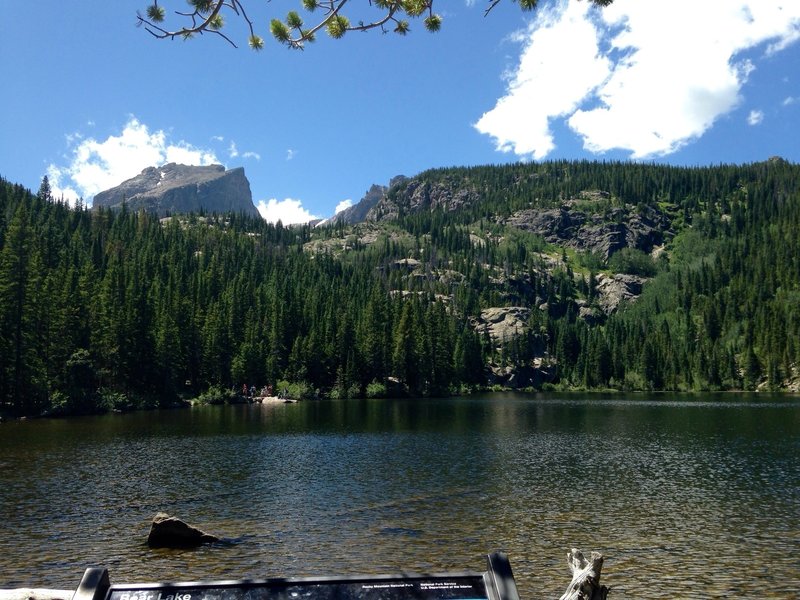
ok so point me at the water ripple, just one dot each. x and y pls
(701, 496)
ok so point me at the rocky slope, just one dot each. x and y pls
(174, 188)
(360, 212)
(591, 222)
(410, 195)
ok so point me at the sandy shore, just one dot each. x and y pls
(36, 594)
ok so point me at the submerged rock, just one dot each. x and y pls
(171, 532)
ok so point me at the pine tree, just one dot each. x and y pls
(16, 332)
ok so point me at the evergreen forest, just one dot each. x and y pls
(103, 310)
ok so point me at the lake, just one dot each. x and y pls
(687, 496)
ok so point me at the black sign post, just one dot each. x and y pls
(497, 583)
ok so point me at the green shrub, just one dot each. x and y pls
(60, 403)
(591, 260)
(109, 399)
(340, 392)
(634, 382)
(215, 395)
(299, 390)
(376, 389)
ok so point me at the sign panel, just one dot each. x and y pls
(434, 588)
(497, 583)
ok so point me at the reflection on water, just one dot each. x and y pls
(699, 495)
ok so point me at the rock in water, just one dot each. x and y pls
(171, 532)
(175, 189)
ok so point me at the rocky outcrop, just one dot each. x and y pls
(541, 370)
(612, 291)
(601, 233)
(555, 224)
(503, 323)
(415, 195)
(360, 212)
(589, 314)
(171, 532)
(175, 188)
(407, 264)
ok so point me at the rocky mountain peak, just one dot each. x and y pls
(360, 212)
(174, 188)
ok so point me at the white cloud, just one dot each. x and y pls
(789, 100)
(645, 77)
(559, 66)
(96, 166)
(186, 154)
(286, 211)
(233, 152)
(343, 205)
(784, 41)
(755, 117)
(290, 154)
(254, 155)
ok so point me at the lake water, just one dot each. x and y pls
(686, 496)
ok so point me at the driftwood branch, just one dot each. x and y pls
(585, 584)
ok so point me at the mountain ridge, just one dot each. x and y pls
(536, 275)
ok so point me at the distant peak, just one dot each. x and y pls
(177, 188)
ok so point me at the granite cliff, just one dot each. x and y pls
(173, 188)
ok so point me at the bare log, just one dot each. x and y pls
(585, 584)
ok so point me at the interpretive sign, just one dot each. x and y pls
(460, 588)
(497, 583)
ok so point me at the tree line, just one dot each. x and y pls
(109, 310)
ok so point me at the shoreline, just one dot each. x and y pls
(36, 594)
(790, 394)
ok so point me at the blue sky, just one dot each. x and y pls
(90, 99)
